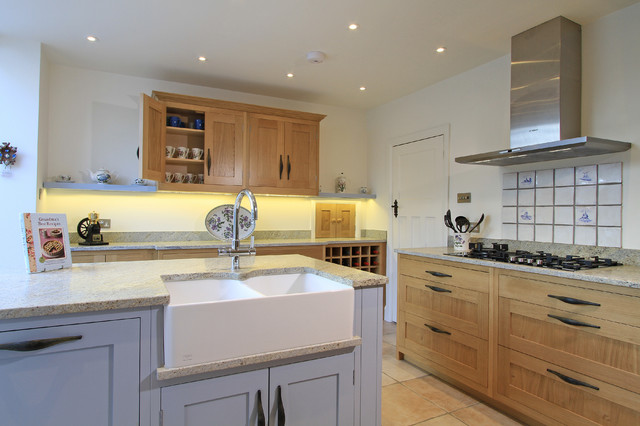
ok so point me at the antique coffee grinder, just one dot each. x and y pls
(89, 229)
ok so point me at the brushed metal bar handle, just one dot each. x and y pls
(36, 345)
(437, 330)
(573, 381)
(438, 289)
(572, 301)
(261, 419)
(572, 321)
(438, 274)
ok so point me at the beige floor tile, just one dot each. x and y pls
(401, 406)
(389, 338)
(400, 370)
(388, 327)
(440, 393)
(446, 420)
(483, 415)
(388, 349)
(386, 380)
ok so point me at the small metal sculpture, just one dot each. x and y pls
(8, 154)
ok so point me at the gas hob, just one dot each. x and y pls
(500, 253)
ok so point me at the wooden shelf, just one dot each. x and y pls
(183, 161)
(100, 186)
(184, 131)
(344, 195)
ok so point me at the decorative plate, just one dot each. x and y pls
(219, 223)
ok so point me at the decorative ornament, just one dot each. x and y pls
(8, 154)
(341, 183)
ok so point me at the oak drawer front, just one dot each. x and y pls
(129, 255)
(445, 273)
(461, 353)
(613, 307)
(544, 387)
(611, 352)
(187, 253)
(451, 306)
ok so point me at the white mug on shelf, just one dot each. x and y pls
(178, 177)
(169, 151)
(196, 153)
(168, 177)
(183, 152)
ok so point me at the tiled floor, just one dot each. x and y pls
(411, 396)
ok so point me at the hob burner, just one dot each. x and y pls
(499, 252)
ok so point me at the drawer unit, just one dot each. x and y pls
(566, 397)
(569, 296)
(606, 350)
(459, 355)
(443, 272)
(452, 306)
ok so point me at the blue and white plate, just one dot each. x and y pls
(219, 223)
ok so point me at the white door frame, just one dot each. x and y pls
(391, 308)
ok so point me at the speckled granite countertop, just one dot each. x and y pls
(625, 276)
(121, 285)
(214, 244)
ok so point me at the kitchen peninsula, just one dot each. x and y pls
(548, 346)
(111, 361)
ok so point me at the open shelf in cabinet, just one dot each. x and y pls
(369, 257)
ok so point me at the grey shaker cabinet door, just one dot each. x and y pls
(81, 374)
(314, 393)
(224, 401)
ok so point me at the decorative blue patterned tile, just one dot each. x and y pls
(586, 175)
(586, 215)
(526, 179)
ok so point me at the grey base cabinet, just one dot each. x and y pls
(78, 374)
(319, 392)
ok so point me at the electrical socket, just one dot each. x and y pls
(464, 197)
(104, 223)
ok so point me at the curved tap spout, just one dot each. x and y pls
(236, 214)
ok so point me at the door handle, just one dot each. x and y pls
(281, 166)
(570, 321)
(288, 168)
(36, 345)
(572, 301)
(437, 289)
(208, 161)
(280, 412)
(437, 330)
(573, 381)
(261, 419)
(438, 274)
(394, 206)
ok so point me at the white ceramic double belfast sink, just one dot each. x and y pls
(210, 320)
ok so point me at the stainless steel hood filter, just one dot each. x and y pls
(546, 100)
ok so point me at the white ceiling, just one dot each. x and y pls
(252, 44)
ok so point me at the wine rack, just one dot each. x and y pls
(366, 257)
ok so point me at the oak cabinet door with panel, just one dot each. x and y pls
(152, 155)
(335, 220)
(223, 147)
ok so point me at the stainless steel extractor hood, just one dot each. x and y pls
(546, 100)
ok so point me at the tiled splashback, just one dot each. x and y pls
(573, 205)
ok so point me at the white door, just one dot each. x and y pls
(420, 185)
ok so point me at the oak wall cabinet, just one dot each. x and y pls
(269, 150)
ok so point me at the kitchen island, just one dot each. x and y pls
(120, 305)
(547, 346)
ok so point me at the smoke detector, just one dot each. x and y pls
(316, 57)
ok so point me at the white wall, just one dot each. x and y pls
(19, 110)
(476, 106)
(94, 123)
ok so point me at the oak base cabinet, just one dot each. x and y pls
(81, 374)
(316, 392)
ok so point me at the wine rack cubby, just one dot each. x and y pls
(366, 257)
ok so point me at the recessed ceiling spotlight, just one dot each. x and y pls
(362, 88)
(441, 49)
(290, 75)
(353, 26)
(202, 59)
(92, 38)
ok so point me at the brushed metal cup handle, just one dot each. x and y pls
(36, 345)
